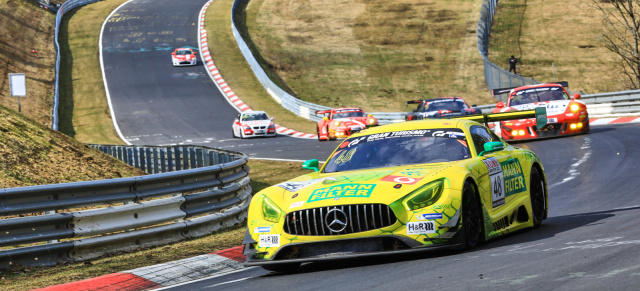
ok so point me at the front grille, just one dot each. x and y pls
(359, 218)
(552, 129)
(259, 127)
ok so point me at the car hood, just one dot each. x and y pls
(354, 121)
(257, 122)
(184, 57)
(354, 187)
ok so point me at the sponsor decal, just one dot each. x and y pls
(344, 190)
(262, 229)
(496, 178)
(401, 179)
(345, 156)
(438, 207)
(297, 185)
(448, 132)
(513, 177)
(358, 177)
(422, 227)
(552, 120)
(427, 216)
(269, 240)
(296, 204)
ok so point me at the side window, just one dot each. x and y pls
(480, 136)
(238, 117)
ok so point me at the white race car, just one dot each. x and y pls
(252, 124)
(183, 57)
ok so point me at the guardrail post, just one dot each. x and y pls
(163, 160)
(149, 162)
(156, 168)
(185, 158)
(141, 156)
(177, 159)
(170, 159)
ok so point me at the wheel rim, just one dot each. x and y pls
(471, 215)
(537, 195)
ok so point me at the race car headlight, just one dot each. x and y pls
(372, 121)
(270, 211)
(574, 108)
(424, 196)
(336, 123)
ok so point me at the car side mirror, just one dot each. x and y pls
(474, 105)
(576, 96)
(311, 165)
(500, 105)
(173, 54)
(273, 118)
(370, 115)
(325, 118)
(492, 146)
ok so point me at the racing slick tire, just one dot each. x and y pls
(282, 268)
(471, 216)
(538, 197)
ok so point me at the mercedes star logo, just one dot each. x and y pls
(336, 220)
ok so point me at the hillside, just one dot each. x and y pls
(30, 152)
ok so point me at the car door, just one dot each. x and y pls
(499, 182)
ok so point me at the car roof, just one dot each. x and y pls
(253, 112)
(419, 124)
(536, 86)
(348, 108)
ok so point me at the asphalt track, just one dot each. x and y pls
(589, 242)
(157, 104)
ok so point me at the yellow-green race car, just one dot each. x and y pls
(399, 188)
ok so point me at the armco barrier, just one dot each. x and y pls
(67, 6)
(105, 216)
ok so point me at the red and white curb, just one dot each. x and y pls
(603, 121)
(231, 97)
(162, 275)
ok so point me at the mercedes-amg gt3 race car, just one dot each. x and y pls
(183, 57)
(445, 107)
(343, 122)
(566, 116)
(399, 188)
(252, 124)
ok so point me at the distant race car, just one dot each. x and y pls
(565, 115)
(343, 122)
(400, 188)
(184, 57)
(444, 107)
(252, 124)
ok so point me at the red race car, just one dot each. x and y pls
(343, 122)
(565, 115)
(183, 57)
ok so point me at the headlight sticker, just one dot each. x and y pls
(401, 179)
(427, 216)
(262, 229)
(422, 227)
(269, 240)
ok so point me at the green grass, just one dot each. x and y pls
(544, 38)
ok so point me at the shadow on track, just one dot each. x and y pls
(550, 228)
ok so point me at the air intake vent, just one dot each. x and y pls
(338, 220)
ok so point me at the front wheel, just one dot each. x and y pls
(537, 196)
(471, 216)
(329, 135)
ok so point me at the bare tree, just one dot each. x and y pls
(622, 34)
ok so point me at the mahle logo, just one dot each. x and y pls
(340, 191)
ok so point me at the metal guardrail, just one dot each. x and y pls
(495, 76)
(67, 6)
(126, 213)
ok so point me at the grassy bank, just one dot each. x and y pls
(544, 38)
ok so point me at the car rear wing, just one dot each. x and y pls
(539, 113)
(507, 90)
(323, 111)
(414, 102)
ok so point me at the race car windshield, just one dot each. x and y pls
(445, 105)
(254, 117)
(183, 52)
(399, 148)
(348, 114)
(535, 95)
